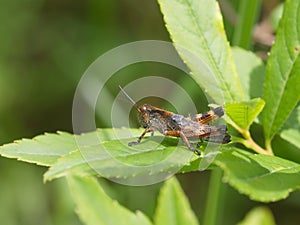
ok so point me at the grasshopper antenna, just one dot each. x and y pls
(132, 101)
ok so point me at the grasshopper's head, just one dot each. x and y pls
(144, 110)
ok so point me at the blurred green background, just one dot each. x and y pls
(45, 47)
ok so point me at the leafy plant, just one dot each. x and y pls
(254, 169)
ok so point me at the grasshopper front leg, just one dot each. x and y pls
(147, 130)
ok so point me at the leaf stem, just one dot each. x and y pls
(250, 143)
(268, 146)
(214, 199)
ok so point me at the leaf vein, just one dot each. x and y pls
(206, 48)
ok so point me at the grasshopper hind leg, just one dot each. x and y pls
(196, 151)
(188, 144)
(177, 133)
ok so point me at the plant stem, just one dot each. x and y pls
(214, 199)
(248, 11)
(250, 143)
(268, 146)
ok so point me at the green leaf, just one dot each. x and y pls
(259, 216)
(292, 136)
(262, 177)
(173, 206)
(291, 130)
(95, 207)
(244, 113)
(104, 152)
(43, 150)
(286, 149)
(276, 16)
(115, 159)
(46, 149)
(196, 28)
(251, 71)
(282, 83)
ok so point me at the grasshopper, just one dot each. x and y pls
(170, 124)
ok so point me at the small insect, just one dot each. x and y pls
(170, 124)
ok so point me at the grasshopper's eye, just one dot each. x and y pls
(144, 108)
